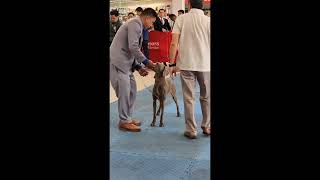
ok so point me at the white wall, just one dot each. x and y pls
(177, 5)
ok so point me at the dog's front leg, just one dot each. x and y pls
(154, 111)
(158, 112)
(162, 109)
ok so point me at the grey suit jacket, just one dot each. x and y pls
(125, 49)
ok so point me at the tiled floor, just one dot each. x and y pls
(158, 153)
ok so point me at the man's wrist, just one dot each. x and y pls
(138, 67)
(145, 62)
(171, 64)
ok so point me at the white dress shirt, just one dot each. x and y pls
(171, 23)
(194, 42)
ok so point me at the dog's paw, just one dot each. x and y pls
(152, 124)
(161, 125)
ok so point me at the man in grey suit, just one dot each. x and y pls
(125, 57)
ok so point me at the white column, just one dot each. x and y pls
(177, 5)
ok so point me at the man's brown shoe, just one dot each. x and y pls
(136, 122)
(206, 131)
(129, 127)
(190, 135)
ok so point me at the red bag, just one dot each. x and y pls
(159, 46)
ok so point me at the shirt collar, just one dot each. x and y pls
(196, 11)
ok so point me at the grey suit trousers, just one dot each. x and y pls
(125, 88)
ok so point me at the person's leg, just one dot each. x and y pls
(188, 81)
(113, 74)
(133, 93)
(120, 83)
(204, 83)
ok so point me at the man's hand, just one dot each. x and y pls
(150, 65)
(164, 30)
(173, 71)
(143, 72)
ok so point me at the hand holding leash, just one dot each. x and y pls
(151, 65)
(143, 72)
(173, 70)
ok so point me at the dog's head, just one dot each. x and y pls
(160, 70)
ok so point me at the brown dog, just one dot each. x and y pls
(161, 88)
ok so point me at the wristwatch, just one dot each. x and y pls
(171, 65)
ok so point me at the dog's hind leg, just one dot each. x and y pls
(174, 97)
